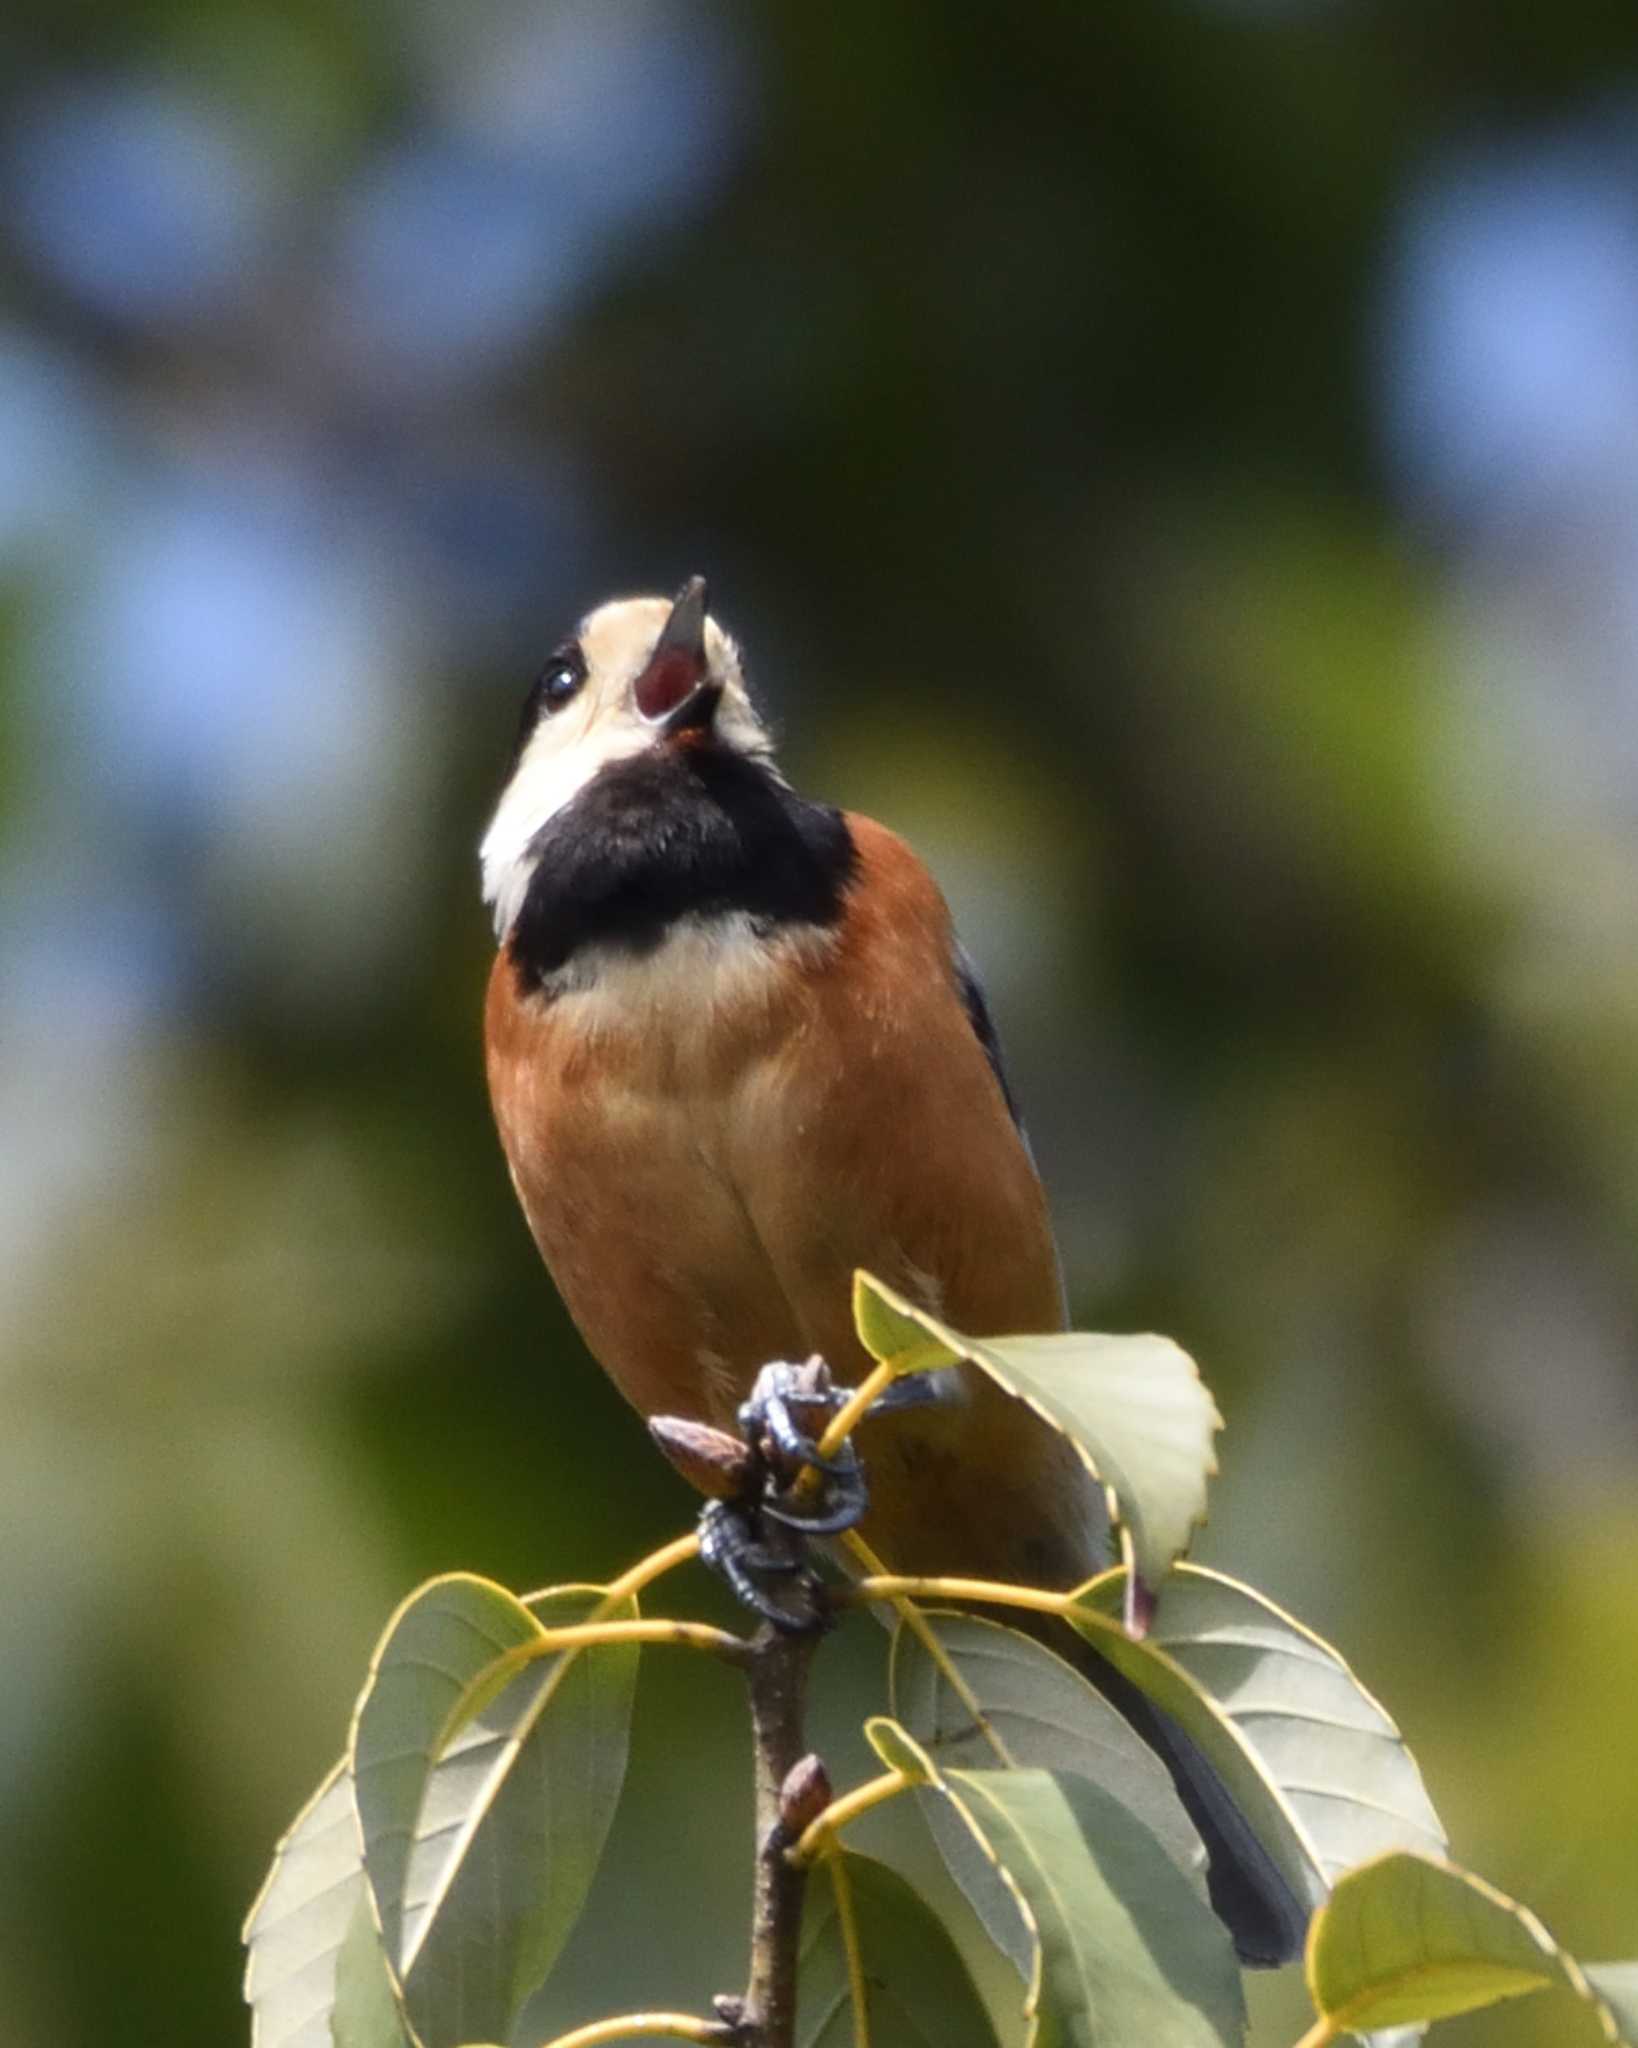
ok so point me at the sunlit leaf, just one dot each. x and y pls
(295, 1930)
(1315, 1765)
(366, 2012)
(1128, 1948)
(1616, 1985)
(1003, 1698)
(1125, 1946)
(894, 1332)
(1133, 1407)
(916, 1987)
(1408, 1939)
(899, 1750)
(1000, 1699)
(480, 1856)
(995, 1902)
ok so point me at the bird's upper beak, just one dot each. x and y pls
(675, 691)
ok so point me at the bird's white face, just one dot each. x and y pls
(635, 667)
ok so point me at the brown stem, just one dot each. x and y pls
(778, 1679)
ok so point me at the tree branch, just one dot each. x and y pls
(777, 1676)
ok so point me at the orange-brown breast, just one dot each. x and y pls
(706, 1144)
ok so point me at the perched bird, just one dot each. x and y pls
(735, 1051)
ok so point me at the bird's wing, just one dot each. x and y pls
(976, 1004)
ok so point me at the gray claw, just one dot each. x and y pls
(780, 1389)
(731, 1547)
(840, 1506)
(761, 1533)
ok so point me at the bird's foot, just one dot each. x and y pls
(757, 1538)
(787, 1411)
(788, 1491)
(739, 1547)
(783, 1422)
(790, 1406)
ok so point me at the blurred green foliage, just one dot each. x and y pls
(1025, 385)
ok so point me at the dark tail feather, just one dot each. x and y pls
(1266, 1918)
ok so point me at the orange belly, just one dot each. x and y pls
(707, 1142)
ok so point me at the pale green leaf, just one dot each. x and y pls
(1408, 1939)
(296, 1928)
(1134, 1408)
(982, 1882)
(366, 2013)
(1000, 1699)
(1315, 1765)
(895, 1333)
(1127, 1950)
(480, 1852)
(917, 1990)
(1616, 1985)
(1125, 1947)
(899, 1750)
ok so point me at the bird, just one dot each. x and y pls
(736, 1051)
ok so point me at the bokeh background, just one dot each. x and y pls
(1175, 459)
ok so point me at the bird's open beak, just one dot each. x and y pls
(675, 691)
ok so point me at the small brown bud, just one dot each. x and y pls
(710, 1459)
(804, 1795)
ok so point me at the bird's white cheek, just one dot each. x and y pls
(554, 769)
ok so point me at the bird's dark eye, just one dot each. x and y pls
(557, 684)
(559, 681)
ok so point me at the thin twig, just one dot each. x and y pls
(897, 1586)
(863, 1398)
(634, 2026)
(847, 1927)
(649, 1568)
(840, 1813)
(587, 1635)
(595, 1629)
(925, 1634)
(566, 1644)
(778, 1681)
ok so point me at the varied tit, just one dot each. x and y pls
(736, 1052)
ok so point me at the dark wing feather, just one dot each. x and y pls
(978, 1014)
(1266, 1919)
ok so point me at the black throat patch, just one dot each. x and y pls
(680, 831)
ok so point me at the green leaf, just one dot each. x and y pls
(1125, 1946)
(295, 1930)
(1319, 1770)
(917, 1990)
(899, 1750)
(366, 2012)
(1002, 1699)
(974, 1871)
(896, 1333)
(1127, 1950)
(1616, 1985)
(901, 1827)
(1408, 1939)
(1133, 1407)
(480, 1853)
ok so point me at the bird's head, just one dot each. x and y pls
(639, 674)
